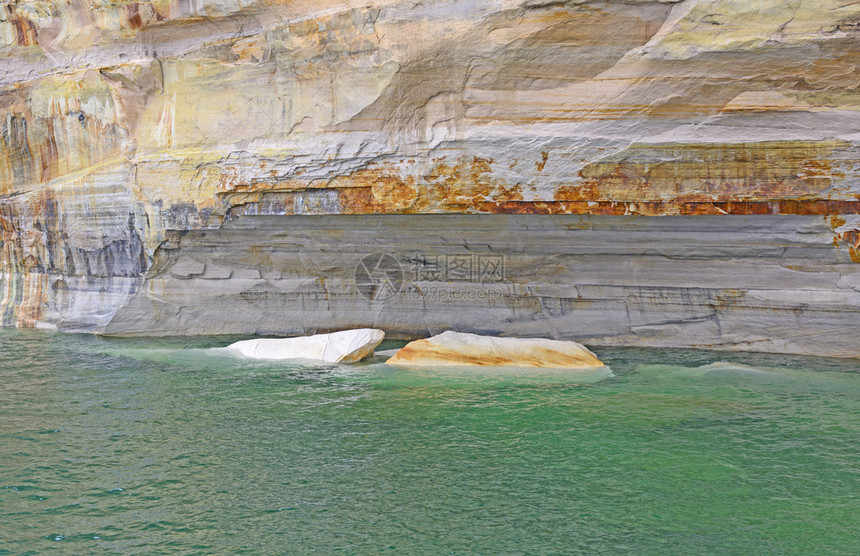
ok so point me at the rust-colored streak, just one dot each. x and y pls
(361, 200)
(48, 154)
(851, 237)
(811, 208)
(25, 30)
(133, 14)
(778, 177)
(718, 173)
(541, 164)
(446, 187)
(22, 257)
(744, 179)
(36, 149)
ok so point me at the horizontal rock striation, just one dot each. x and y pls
(767, 283)
(131, 132)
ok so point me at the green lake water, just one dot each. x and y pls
(112, 446)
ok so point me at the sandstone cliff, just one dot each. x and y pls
(161, 164)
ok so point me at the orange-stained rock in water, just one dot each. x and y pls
(461, 349)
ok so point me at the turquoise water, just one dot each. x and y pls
(114, 446)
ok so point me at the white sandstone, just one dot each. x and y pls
(346, 346)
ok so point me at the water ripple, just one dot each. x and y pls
(156, 447)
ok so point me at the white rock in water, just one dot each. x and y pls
(346, 346)
(456, 348)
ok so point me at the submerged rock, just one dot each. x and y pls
(386, 352)
(457, 348)
(346, 346)
(728, 367)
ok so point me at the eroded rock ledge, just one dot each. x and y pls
(761, 283)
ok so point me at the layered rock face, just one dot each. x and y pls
(763, 282)
(646, 172)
